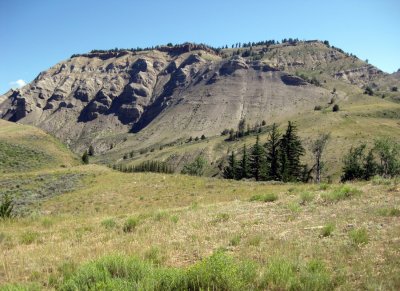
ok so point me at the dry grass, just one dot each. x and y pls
(179, 220)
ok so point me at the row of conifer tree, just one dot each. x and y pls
(146, 166)
(278, 159)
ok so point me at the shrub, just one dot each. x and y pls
(318, 107)
(154, 255)
(235, 241)
(221, 217)
(335, 108)
(327, 230)
(306, 197)
(392, 211)
(174, 218)
(254, 240)
(341, 193)
(283, 274)
(359, 236)
(47, 222)
(196, 168)
(221, 272)
(85, 157)
(29, 237)
(109, 223)
(270, 197)
(369, 91)
(6, 207)
(130, 224)
(323, 186)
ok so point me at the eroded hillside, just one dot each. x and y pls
(176, 92)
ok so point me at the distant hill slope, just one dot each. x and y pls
(26, 148)
(123, 101)
(186, 90)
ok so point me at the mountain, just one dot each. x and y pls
(185, 90)
(124, 100)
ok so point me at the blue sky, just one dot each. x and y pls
(36, 34)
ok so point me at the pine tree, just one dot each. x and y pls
(292, 150)
(245, 171)
(258, 163)
(85, 158)
(241, 128)
(370, 166)
(273, 149)
(230, 171)
(91, 151)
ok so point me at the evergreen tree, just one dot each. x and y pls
(230, 171)
(258, 163)
(85, 158)
(245, 171)
(370, 166)
(241, 127)
(292, 150)
(272, 148)
(91, 151)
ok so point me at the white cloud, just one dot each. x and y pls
(18, 84)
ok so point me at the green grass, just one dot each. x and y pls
(389, 211)
(109, 223)
(29, 237)
(14, 157)
(26, 148)
(359, 236)
(218, 272)
(341, 193)
(269, 197)
(130, 224)
(327, 230)
(306, 197)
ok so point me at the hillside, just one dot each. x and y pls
(87, 226)
(147, 103)
(306, 237)
(26, 148)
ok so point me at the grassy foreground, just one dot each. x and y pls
(116, 231)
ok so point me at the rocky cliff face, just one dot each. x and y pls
(159, 94)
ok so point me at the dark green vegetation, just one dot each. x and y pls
(383, 160)
(218, 272)
(146, 166)
(278, 159)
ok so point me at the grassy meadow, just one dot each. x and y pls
(88, 227)
(173, 232)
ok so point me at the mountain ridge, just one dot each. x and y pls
(173, 92)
